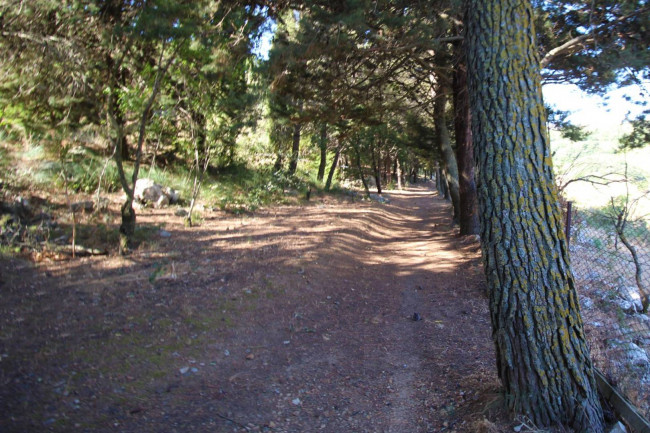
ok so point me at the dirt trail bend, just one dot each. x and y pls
(292, 320)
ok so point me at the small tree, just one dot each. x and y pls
(622, 215)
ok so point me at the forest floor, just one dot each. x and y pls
(292, 319)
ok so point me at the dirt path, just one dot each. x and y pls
(297, 319)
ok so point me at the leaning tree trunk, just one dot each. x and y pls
(444, 143)
(360, 171)
(542, 355)
(468, 217)
(330, 175)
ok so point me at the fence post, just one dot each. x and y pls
(567, 226)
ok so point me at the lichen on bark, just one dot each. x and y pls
(542, 355)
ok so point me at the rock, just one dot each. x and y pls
(165, 234)
(416, 317)
(173, 195)
(632, 295)
(586, 302)
(180, 213)
(183, 370)
(163, 201)
(626, 305)
(636, 355)
(149, 192)
(296, 401)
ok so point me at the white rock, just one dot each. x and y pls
(632, 295)
(625, 305)
(148, 191)
(636, 355)
(173, 195)
(296, 401)
(587, 302)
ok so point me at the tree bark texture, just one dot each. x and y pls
(448, 156)
(542, 355)
(468, 218)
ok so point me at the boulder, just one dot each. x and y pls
(173, 195)
(629, 299)
(149, 192)
(636, 355)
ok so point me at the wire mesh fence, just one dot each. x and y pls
(610, 257)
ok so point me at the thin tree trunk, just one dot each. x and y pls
(542, 354)
(127, 227)
(638, 275)
(322, 144)
(360, 171)
(468, 217)
(295, 150)
(375, 167)
(330, 175)
(444, 143)
(398, 172)
(201, 160)
(279, 162)
(445, 185)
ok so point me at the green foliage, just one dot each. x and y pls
(84, 171)
(603, 42)
(558, 120)
(241, 189)
(639, 136)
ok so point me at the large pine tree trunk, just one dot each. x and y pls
(542, 355)
(444, 143)
(468, 218)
